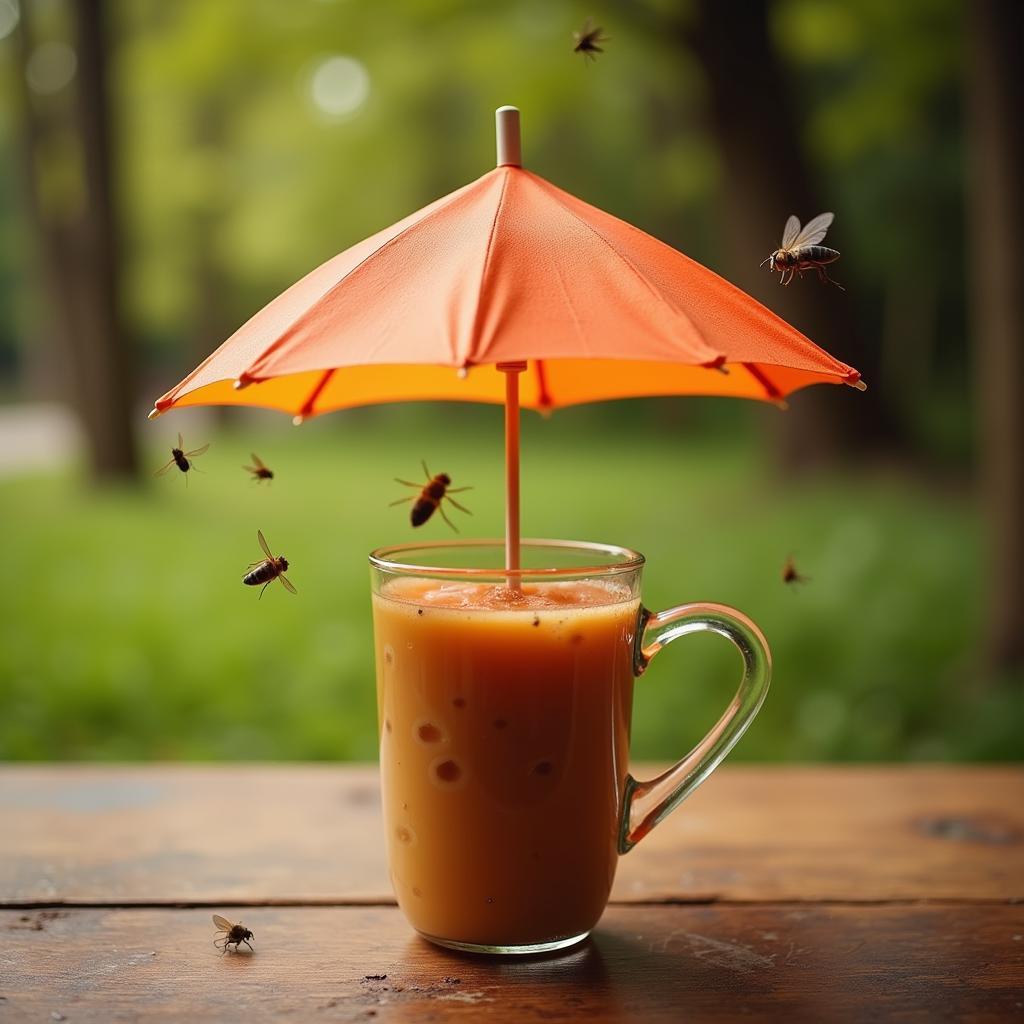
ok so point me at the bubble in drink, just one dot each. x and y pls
(427, 732)
(448, 771)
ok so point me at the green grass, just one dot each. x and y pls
(125, 631)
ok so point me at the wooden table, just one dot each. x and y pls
(792, 894)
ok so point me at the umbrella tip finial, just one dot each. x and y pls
(506, 126)
(153, 413)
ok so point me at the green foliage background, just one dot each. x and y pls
(124, 632)
(158, 651)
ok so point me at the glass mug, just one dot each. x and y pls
(504, 707)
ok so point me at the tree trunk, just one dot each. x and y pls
(51, 340)
(107, 381)
(77, 260)
(767, 178)
(908, 334)
(995, 230)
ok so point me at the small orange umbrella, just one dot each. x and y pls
(508, 277)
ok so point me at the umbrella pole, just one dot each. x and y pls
(509, 152)
(512, 553)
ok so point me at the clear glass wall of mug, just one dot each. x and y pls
(504, 705)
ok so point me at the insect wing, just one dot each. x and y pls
(263, 544)
(257, 461)
(181, 442)
(814, 230)
(790, 231)
(222, 923)
(287, 584)
(163, 469)
(197, 451)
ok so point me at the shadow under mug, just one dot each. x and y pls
(504, 707)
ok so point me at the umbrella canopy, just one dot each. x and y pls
(508, 269)
(507, 290)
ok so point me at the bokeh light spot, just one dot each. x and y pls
(50, 67)
(8, 17)
(339, 86)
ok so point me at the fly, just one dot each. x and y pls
(428, 501)
(801, 250)
(258, 469)
(587, 40)
(268, 570)
(182, 459)
(230, 934)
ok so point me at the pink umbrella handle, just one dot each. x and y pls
(512, 531)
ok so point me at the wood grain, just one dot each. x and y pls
(312, 834)
(644, 963)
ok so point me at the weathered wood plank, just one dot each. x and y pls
(645, 963)
(308, 834)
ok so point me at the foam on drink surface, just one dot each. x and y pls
(534, 597)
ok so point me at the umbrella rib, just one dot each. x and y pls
(486, 263)
(656, 292)
(772, 392)
(543, 395)
(283, 338)
(307, 405)
(572, 310)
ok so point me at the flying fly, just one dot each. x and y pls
(802, 250)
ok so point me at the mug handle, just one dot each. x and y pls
(647, 803)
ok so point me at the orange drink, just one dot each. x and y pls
(504, 710)
(505, 717)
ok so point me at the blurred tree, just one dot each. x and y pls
(67, 156)
(767, 177)
(242, 163)
(996, 227)
(107, 398)
(50, 356)
(245, 164)
(880, 108)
